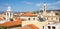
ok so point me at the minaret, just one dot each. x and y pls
(44, 9)
(9, 13)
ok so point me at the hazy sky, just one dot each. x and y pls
(28, 5)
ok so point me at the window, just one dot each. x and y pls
(7, 14)
(43, 27)
(48, 23)
(47, 18)
(49, 27)
(53, 27)
(28, 18)
(11, 19)
(59, 19)
(56, 18)
(33, 18)
(51, 18)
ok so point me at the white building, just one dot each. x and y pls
(29, 17)
(9, 14)
(53, 25)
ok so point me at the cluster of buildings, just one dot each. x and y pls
(44, 20)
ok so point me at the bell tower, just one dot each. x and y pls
(9, 13)
(44, 9)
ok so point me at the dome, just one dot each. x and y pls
(44, 4)
(9, 8)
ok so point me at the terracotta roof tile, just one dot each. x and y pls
(33, 26)
(28, 14)
(1, 18)
(30, 26)
(12, 23)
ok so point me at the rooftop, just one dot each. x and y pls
(29, 14)
(12, 23)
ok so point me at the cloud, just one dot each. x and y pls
(38, 4)
(54, 5)
(58, 2)
(29, 3)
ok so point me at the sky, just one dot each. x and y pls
(29, 5)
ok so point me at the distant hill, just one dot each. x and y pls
(34, 11)
(51, 10)
(46, 10)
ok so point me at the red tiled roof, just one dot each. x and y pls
(1, 18)
(33, 26)
(12, 23)
(29, 14)
(24, 28)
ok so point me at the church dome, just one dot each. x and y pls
(9, 8)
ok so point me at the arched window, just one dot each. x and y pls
(43, 27)
(51, 18)
(49, 27)
(11, 19)
(28, 18)
(56, 18)
(59, 19)
(53, 27)
(33, 18)
(47, 18)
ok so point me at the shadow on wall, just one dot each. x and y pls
(42, 19)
